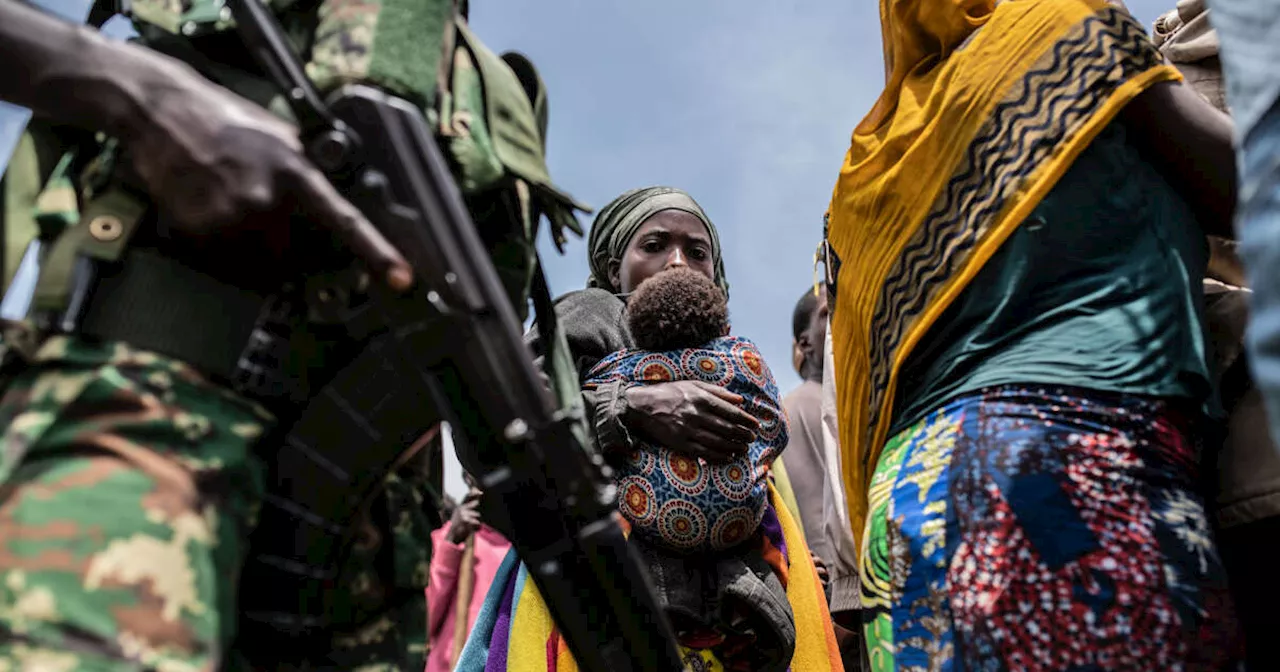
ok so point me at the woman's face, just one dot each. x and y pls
(668, 239)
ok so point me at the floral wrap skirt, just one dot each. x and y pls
(1040, 528)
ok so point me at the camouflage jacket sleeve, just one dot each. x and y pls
(392, 44)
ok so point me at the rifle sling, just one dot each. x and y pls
(544, 310)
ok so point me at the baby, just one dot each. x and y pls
(679, 322)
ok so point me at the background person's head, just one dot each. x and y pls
(646, 231)
(809, 333)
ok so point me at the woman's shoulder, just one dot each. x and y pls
(595, 316)
(593, 322)
(590, 300)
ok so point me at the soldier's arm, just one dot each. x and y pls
(71, 74)
(186, 136)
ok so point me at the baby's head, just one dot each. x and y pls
(676, 309)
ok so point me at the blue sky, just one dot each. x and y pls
(748, 107)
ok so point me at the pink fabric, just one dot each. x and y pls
(446, 559)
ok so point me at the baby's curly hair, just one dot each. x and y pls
(676, 309)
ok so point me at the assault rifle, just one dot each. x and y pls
(449, 349)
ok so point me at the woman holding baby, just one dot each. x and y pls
(688, 415)
(638, 235)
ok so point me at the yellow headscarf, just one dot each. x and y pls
(986, 105)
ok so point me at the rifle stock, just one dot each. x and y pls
(459, 332)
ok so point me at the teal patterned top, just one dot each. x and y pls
(1098, 289)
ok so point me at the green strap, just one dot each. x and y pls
(440, 115)
(557, 358)
(106, 226)
(21, 188)
(33, 211)
(56, 208)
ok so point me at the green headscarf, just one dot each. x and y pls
(619, 221)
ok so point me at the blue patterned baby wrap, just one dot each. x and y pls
(682, 502)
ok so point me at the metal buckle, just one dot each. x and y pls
(16, 305)
(260, 372)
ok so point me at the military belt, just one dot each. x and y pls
(153, 302)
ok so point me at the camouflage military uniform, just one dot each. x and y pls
(119, 526)
(129, 482)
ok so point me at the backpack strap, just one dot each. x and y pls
(106, 225)
(21, 189)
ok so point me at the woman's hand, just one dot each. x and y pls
(824, 576)
(692, 418)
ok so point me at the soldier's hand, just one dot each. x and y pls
(693, 418)
(215, 162)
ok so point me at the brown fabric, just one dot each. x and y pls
(806, 463)
(815, 478)
(1248, 463)
(1186, 38)
(1248, 466)
(846, 591)
(848, 629)
(1184, 34)
(1226, 316)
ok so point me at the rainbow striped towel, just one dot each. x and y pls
(514, 631)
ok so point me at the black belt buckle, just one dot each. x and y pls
(84, 280)
(16, 306)
(17, 302)
(261, 373)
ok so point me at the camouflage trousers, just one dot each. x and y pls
(128, 489)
